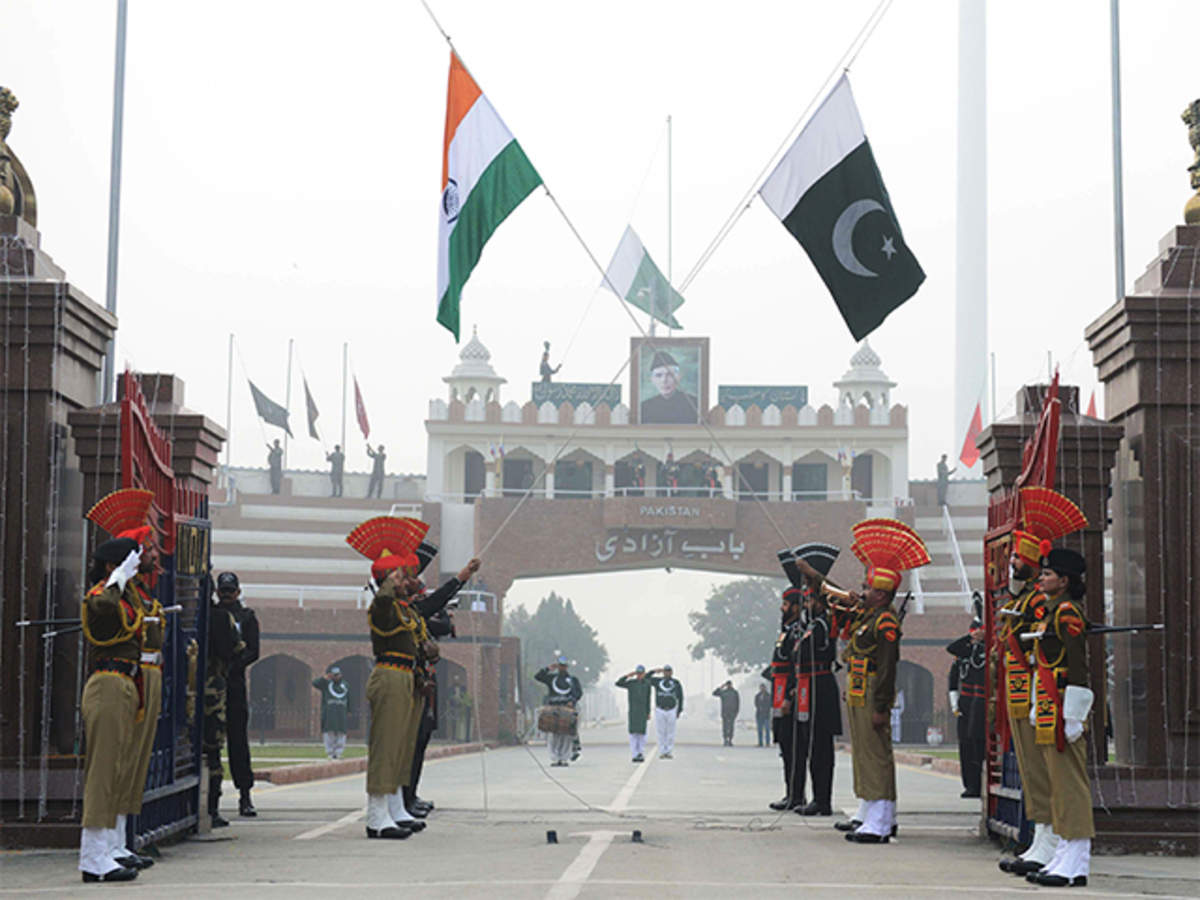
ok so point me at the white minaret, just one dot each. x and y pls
(970, 281)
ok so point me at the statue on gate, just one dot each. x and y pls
(16, 190)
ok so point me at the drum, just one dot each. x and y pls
(557, 720)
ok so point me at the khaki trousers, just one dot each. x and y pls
(109, 706)
(1070, 790)
(1035, 780)
(871, 751)
(143, 742)
(395, 716)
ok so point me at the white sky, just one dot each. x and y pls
(282, 168)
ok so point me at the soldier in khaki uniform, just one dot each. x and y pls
(110, 705)
(887, 547)
(1046, 515)
(397, 625)
(1063, 703)
(123, 514)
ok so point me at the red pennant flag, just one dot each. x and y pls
(361, 411)
(1091, 411)
(970, 452)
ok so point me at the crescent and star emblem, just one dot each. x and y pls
(843, 237)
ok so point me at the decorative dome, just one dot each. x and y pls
(474, 360)
(864, 381)
(865, 358)
(474, 375)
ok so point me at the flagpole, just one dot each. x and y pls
(1118, 200)
(345, 357)
(229, 411)
(670, 233)
(287, 399)
(114, 196)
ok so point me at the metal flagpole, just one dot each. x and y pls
(114, 197)
(287, 400)
(670, 246)
(229, 411)
(1118, 201)
(345, 358)
(994, 408)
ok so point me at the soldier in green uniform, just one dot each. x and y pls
(110, 705)
(224, 646)
(335, 707)
(638, 686)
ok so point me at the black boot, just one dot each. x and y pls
(214, 800)
(245, 807)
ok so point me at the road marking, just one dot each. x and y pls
(332, 826)
(571, 882)
(622, 800)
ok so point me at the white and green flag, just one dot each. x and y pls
(636, 279)
(828, 193)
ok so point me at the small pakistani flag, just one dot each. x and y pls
(268, 410)
(828, 192)
(310, 406)
(636, 279)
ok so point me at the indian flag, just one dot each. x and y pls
(485, 176)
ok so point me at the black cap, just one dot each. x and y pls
(425, 551)
(662, 358)
(1065, 562)
(227, 581)
(818, 555)
(115, 550)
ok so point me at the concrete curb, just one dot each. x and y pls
(332, 768)
(911, 758)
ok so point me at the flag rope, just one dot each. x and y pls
(843, 65)
(238, 350)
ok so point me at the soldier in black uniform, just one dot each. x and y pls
(439, 624)
(782, 675)
(237, 707)
(224, 646)
(968, 702)
(818, 707)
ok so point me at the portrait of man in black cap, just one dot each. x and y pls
(670, 403)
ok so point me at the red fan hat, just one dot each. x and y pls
(888, 547)
(390, 542)
(123, 514)
(1046, 516)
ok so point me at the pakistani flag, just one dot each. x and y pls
(828, 192)
(635, 277)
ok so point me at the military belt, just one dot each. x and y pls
(120, 666)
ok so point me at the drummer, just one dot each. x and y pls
(563, 690)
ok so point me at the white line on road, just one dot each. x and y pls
(622, 801)
(571, 882)
(332, 826)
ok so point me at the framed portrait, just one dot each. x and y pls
(668, 380)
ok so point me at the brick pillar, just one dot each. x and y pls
(1147, 351)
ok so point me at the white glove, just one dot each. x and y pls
(126, 570)
(1072, 729)
(954, 702)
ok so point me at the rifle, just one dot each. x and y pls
(1101, 629)
(903, 610)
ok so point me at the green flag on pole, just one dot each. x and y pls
(636, 279)
(829, 194)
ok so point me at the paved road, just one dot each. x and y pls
(706, 833)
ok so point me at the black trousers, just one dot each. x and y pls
(727, 727)
(971, 748)
(237, 727)
(424, 732)
(784, 728)
(814, 747)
